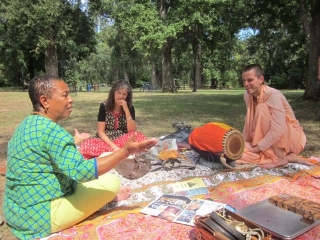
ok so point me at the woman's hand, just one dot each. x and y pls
(124, 104)
(79, 137)
(106, 163)
(133, 147)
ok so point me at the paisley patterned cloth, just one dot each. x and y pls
(237, 188)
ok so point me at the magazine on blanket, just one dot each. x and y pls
(191, 187)
(180, 209)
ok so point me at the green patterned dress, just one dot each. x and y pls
(43, 164)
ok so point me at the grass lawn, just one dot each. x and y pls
(155, 113)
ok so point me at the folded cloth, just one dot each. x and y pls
(181, 135)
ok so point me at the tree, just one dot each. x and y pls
(158, 25)
(310, 18)
(281, 28)
(44, 29)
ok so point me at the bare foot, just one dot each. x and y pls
(123, 194)
(293, 158)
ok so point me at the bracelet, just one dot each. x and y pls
(114, 147)
(129, 118)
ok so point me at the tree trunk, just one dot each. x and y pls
(198, 69)
(122, 55)
(153, 72)
(124, 61)
(167, 74)
(51, 61)
(116, 75)
(303, 12)
(312, 90)
(196, 49)
(124, 65)
(31, 68)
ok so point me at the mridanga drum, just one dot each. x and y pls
(216, 141)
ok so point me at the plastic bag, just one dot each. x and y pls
(165, 144)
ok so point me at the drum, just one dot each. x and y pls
(218, 139)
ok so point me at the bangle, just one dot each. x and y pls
(129, 118)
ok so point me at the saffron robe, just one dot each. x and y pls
(270, 122)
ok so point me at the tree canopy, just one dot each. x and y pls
(35, 34)
(165, 42)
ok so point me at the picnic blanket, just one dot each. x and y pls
(236, 188)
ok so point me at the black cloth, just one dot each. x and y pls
(180, 135)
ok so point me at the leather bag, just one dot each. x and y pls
(133, 167)
(224, 224)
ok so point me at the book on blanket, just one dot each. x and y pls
(180, 209)
(192, 187)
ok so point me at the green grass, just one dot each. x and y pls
(155, 113)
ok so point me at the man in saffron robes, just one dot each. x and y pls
(273, 135)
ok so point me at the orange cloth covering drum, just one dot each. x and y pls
(218, 138)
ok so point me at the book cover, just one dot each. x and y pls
(180, 209)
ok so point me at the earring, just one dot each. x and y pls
(45, 110)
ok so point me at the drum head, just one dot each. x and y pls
(233, 144)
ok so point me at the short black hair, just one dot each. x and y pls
(41, 85)
(257, 69)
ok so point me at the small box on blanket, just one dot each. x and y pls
(284, 215)
(310, 211)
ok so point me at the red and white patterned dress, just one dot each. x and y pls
(116, 130)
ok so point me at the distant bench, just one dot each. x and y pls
(148, 87)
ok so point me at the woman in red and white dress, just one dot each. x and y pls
(115, 123)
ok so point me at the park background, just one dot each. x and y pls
(183, 58)
(165, 43)
(155, 113)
